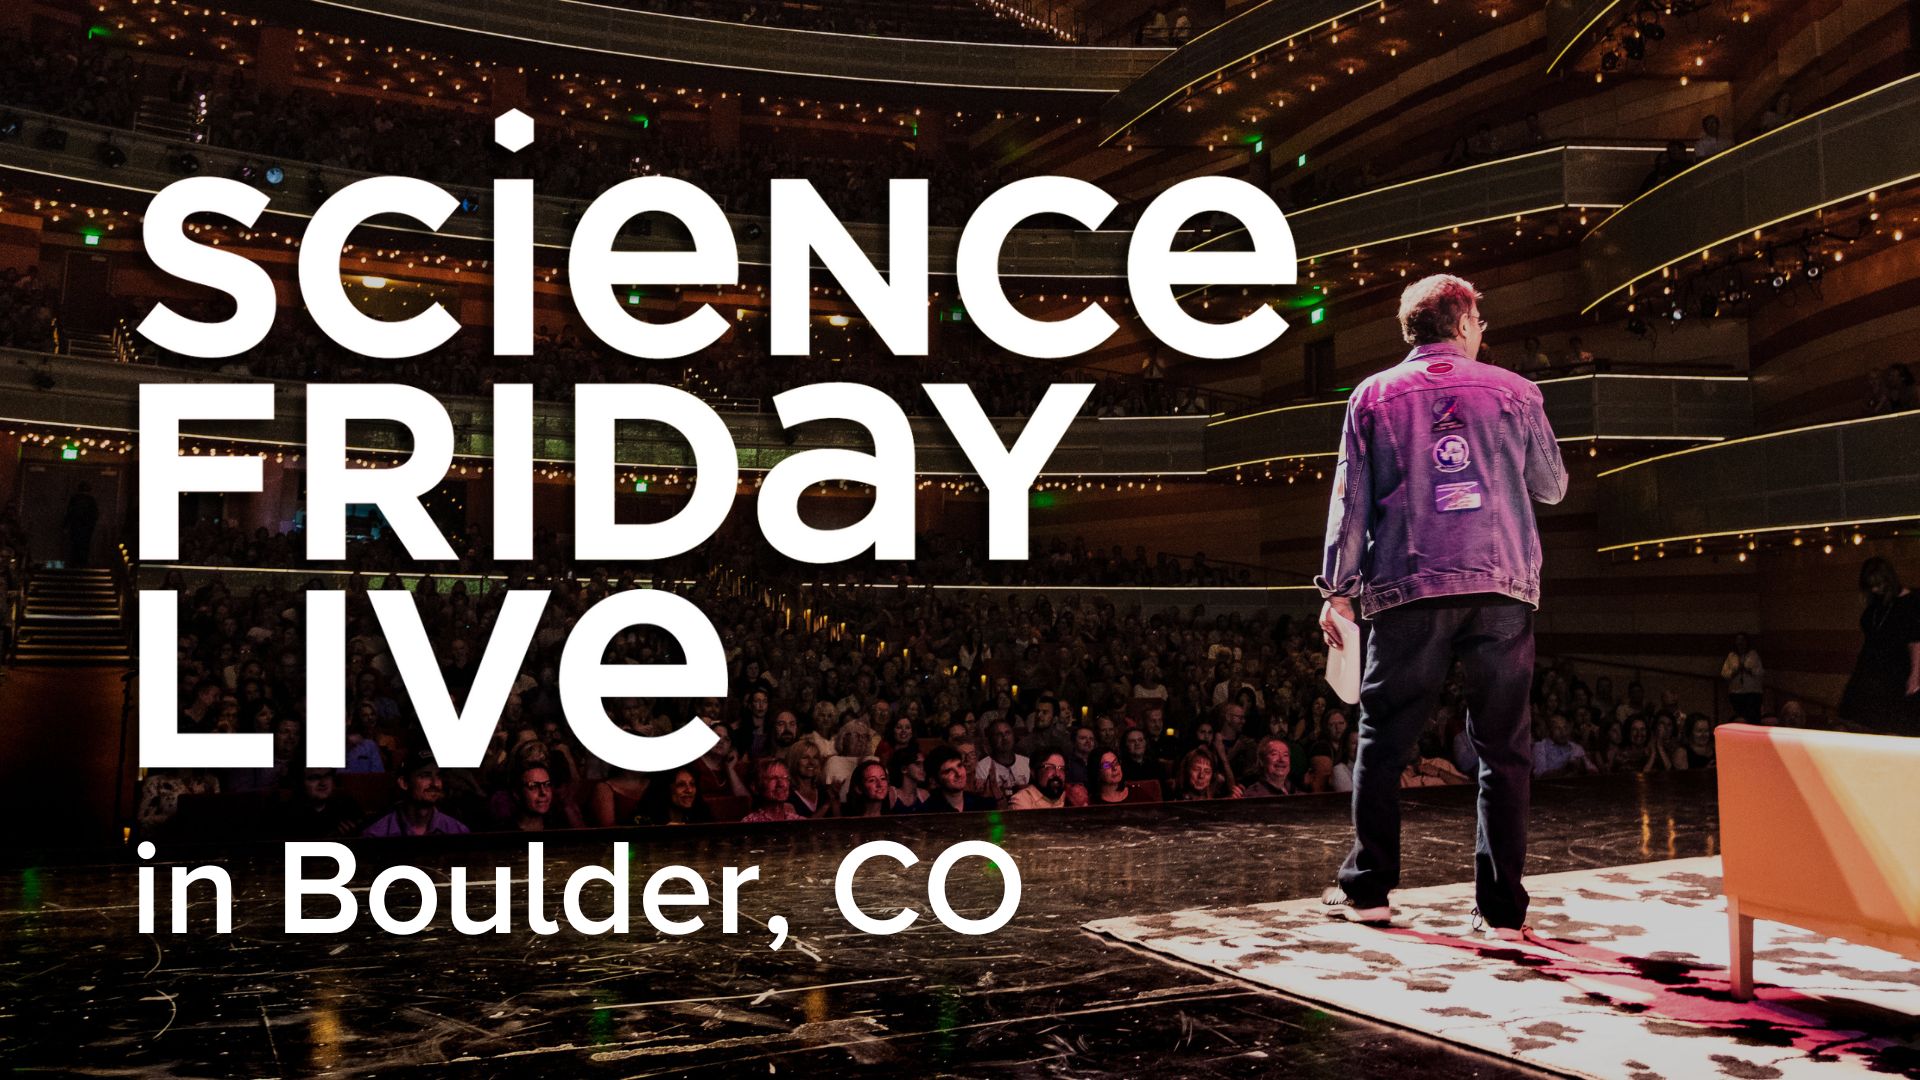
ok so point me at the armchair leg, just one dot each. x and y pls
(1740, 954)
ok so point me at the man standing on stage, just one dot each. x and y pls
(1431, 531)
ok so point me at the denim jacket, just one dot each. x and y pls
(1441, 460)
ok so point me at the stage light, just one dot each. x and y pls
(110, 155)
(11, 125)
(1678, 313)
(1609, 60)
(275, 176)
(1779, 281)
(469, 204)
(1637, 327)
(184, 162)
(52, 138)
(1654, 31)
(1636, 49)
(1813, 269)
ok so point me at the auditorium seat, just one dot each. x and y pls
(1817, 831)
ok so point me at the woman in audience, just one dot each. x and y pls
(907, 780)
(867, 794)
(808, 794)
(1107, 779)
(683, 803)
(1200, 777)
(1883, 693)
(1697, 751)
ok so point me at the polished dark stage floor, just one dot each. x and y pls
(85, 992)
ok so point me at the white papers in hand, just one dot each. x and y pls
(1345, 662)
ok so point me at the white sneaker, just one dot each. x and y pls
(1341, 906)
(1523, 932)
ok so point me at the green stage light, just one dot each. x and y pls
(1319, 316)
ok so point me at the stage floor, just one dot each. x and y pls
(85, 991)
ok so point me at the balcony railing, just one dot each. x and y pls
(1581, 408)
(103, 396)
(1037, 253)
(1855, 472)
(616, 34)
(1838, 153)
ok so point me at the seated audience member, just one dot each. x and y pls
(1085, 739)
(1276, 768)
(1138, 758)
(621, 798)
(947, 770)
(1318, 776)
(1109, 779)
(1697, 751)
(363, 743)
(318, 810)
(419, 811)
(867, 793)
(907, 779)
(538, 810)
(1429, 768)
(1342, 778)
(721, 769)
(772, 792)
(1003, 769)
(1049, 790)
(1200, 778)
(1558, 754)
(810, 795)
(681, 802)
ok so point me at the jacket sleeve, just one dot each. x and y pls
(1546, 473)
(1349, 512)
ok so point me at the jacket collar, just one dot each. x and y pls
(1437, 350)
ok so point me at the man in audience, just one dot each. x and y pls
(948, 774)
(1003, 769)
(1558, 754)
(317, 811)
(1049, 788)
(419, 811)
(1276, 768)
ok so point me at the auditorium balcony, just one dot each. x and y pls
(1825, 486)
(1785, 204)
(617, 37)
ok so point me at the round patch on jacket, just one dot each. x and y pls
(1450, 453)
(1439, 367)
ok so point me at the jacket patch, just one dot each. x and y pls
(1461, 496)
(1443, 414)
(1439, 367)
(1450, 453)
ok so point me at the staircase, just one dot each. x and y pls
(71, 619)
(169, 119)
(91, 345)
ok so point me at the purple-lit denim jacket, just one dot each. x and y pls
(1441, 460)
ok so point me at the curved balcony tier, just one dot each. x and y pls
(1604, 407)
(1851, 473)
(1845, 151)
(609, 35)
(149, 166)
(102, 397)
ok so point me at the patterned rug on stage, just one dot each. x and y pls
(1628, 981)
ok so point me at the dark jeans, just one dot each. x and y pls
(1409, 651)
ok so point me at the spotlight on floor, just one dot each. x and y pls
(184, 162)
(110, 155)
